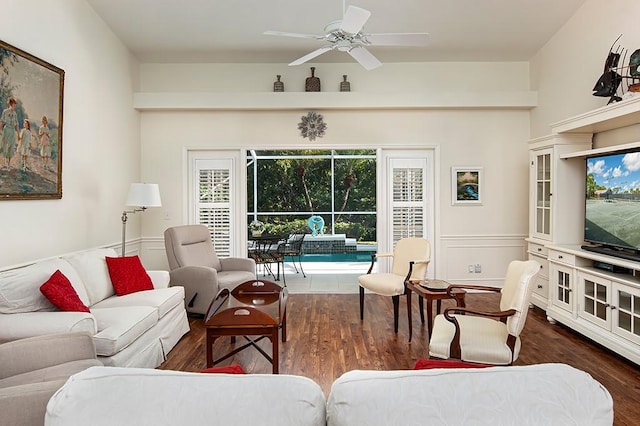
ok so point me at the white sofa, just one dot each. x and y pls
(546, 394)
(134, 330)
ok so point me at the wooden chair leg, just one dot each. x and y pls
(396, 308)
(361, 303)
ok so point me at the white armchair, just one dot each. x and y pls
(410, 260)
(487, 337)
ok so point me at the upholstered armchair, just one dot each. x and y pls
(487, 337)
(33, 369)
(194, 265)
(410, 259)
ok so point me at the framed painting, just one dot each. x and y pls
(31, 94)
(466, 185)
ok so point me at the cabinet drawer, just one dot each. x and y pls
(562, 257)
(538, 249)
(544, 265)
(541, 286)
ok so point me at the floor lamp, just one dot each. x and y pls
(141, 196)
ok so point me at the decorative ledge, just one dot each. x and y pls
(145, 101)
(620, 114)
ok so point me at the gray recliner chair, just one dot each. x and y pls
(194, 265)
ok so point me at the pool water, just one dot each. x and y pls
(363, 256)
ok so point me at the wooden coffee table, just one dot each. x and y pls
(430, 290)
(253, 308)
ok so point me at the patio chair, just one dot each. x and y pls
(292, 247)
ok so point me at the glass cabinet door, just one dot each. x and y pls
(542, 217)
(626, 312)
(595, 299)
(562, 288)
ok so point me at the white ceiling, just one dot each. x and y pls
(231, 30)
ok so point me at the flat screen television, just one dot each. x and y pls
(612, 207)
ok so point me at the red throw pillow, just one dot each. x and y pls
(59, 291)
(228, 369)
(128, 275)
(427, 364)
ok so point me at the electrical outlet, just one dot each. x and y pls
(166, 215)
(478, 268)
(471, 269)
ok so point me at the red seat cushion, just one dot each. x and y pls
(59, 291)
(427, 364)
(228, 369)
(128, 275)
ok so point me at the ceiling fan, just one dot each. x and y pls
(347, 35)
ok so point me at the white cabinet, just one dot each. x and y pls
(602, 304)
(540, 294)
(594, 294)
(555, 205)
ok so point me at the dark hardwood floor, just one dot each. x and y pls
(326, 338)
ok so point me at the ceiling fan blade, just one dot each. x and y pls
(354, 19)
(365, 58)
(398, 39)
(310, 56)
(298, 35)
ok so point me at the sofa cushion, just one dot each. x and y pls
(55, 372)
(92, 268)
(119, 327)
(128, 275)
(163, 299)
(540, 394)
(146, 396)
(59, 291)
(20, 287)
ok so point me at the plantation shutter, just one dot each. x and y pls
(214, 201)
(408, 201)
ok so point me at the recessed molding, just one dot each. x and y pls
(149, 101)
(620, 114)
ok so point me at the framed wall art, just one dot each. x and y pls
(31, 94)
(466, 185)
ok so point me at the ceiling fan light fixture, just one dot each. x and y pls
(347, 35)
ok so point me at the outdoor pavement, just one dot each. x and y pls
(323, 277)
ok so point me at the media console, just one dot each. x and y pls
(597, 295)
(613, 251)
(593, 290)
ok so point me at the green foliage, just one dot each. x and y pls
(301, 181)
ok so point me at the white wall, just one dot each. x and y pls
(568, 66)
(494, 139)
(101, 150)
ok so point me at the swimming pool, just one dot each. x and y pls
(360, 256)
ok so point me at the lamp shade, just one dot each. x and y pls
(144, 195)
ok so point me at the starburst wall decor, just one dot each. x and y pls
(312, 126)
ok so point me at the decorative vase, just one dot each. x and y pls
(345, 86)
(278, 86)
(312, 84)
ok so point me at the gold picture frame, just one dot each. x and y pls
(31, 97)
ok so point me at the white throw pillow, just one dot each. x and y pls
(92, 268)
(20, 288)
